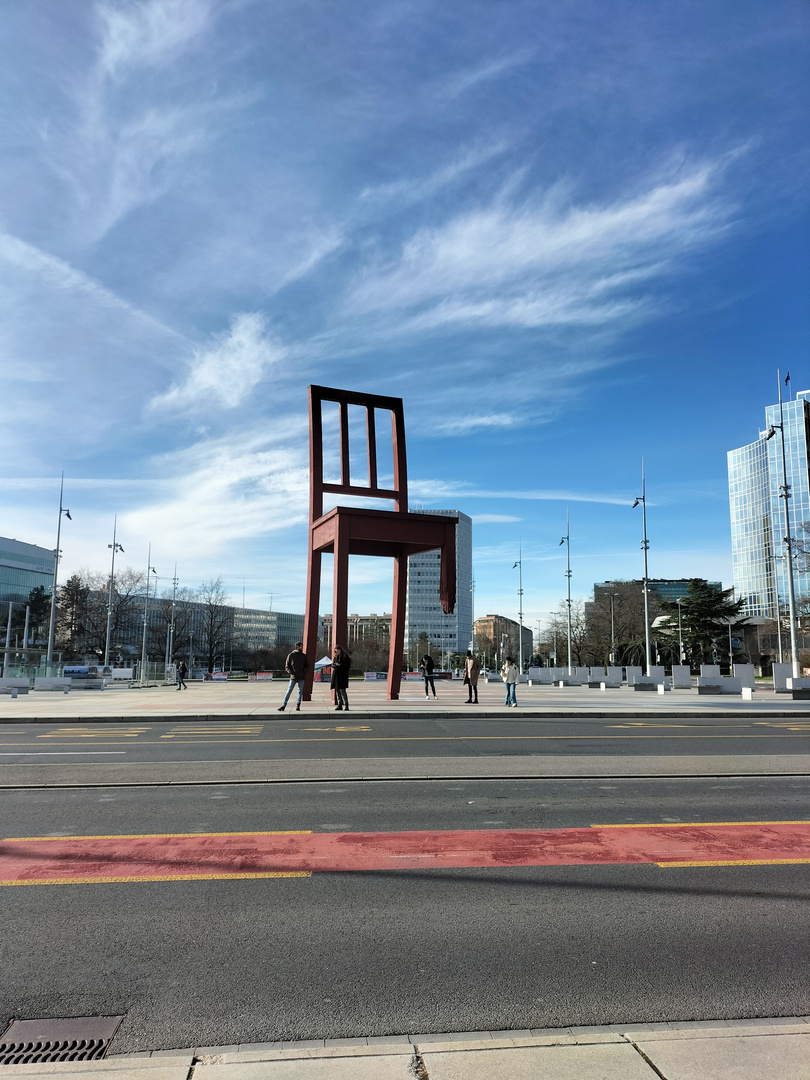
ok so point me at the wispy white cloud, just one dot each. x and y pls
(149, 33)
(465, 424)
(441, 491)
(462, 81)
(547, 262)
(416, 189)
(493, 519)
(223, 375)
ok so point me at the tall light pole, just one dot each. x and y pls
(784, 493)
(645, 547)
(149, 569)
(567, 541)
(612, 629)
(679, 601)
(170, 627)
(519, 564)
(52, 629)
(115, 547)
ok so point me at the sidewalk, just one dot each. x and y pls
(758, 1049)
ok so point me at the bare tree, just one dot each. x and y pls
(216, 619)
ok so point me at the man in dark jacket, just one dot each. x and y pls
(296, 666)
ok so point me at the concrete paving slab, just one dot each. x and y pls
(610, 1061)
(679, 1034)
(731, 1057)
(143, 1068)
(377, 1067)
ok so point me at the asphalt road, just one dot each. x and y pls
(290, 737)
(350, 953)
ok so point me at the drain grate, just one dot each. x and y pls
(70, 1038)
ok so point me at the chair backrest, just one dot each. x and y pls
(344, 398)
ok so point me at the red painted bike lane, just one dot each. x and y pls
(201, 856)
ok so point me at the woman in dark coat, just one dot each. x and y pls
(341, 662)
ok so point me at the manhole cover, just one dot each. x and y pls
(71, 1038)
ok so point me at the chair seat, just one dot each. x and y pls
(383, 532)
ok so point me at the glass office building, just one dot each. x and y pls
(423, 612)
(22, 568)
(758, 527)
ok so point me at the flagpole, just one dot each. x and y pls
(52, 628)
(794, 644)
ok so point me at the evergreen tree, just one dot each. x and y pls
(706, 612)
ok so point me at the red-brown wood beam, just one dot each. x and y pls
(371, 440)
(397, 645)
(345, 463)
(311, 616)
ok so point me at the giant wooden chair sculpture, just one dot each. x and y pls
(351, 530)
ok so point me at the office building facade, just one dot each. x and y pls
(423, 614)
(758, 526)
(22, 568)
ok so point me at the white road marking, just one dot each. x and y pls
(62, 753)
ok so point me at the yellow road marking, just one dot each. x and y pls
(91, 733)
(735, 862)
(159, 877)
(793, 725)
(695, 824)
(157, 836)
(340, 727)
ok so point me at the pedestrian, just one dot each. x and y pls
(341, 663)
(296, 666)
(182, 671)
(472, 669)
(509, 674)
(426, 667)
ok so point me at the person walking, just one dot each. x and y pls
(182, 671)
(472, 669)
(341, 663)
(509, 674)
(426, 667)
(296, 666)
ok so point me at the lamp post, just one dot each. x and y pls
(149, 568)
(567, 541)
(519, 564)
(52, 628)
(784, 493)
(645, 547)
(679, 601)
(115, 547)
(612, 629)
(170, 627)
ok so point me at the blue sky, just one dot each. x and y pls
(568, 234)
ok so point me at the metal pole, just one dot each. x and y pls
(520, 596)
(115, 547)
(8, 639)
(680, 634)
(567, 540)
(645, 546)
(52, 628)
(145, 614)
(25, 634)
(612, 630)
(794, 645)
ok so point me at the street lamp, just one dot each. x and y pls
(519, 564)
(567, 541)
(645, 547)
(679, 601)
(784, 493)
(149, 568)
(612, 629)
(115, 547)
(52, 629)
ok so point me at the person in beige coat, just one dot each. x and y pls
(472, 669)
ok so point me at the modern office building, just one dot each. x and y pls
(22, 568)
(758, 527)
(423, 613)
(660, 588)
(256, 629)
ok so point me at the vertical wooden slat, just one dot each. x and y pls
(315, 455)
(371, 439)
(397, 645)
(345, 464)
(311, 615)
(400, 460)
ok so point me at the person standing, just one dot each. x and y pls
(509, 674)
(182, 671)
(296, 666)
(472, 669)
(341, 663)
(426, 667)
